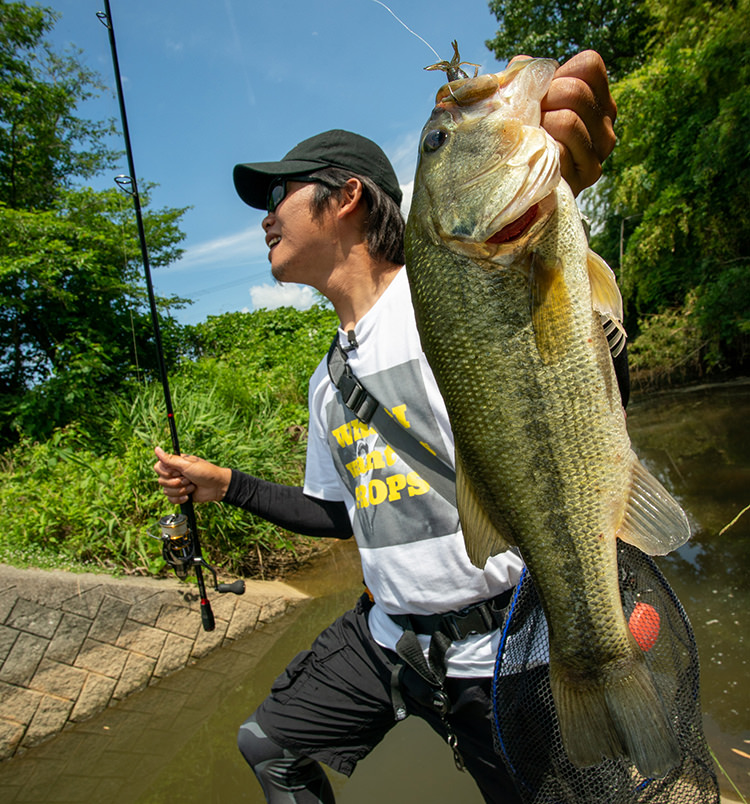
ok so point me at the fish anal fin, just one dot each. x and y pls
(481, 537)
(618, 714)
(551, 309)
(653, 520)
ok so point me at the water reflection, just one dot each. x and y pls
(176, 740)
(696, 441)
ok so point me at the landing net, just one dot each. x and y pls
(526, 727)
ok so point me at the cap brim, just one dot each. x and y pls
(252, 180)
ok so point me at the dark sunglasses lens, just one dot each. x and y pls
(276, 193)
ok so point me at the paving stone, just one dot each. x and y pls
(7, 637)
(24, 657)
(52, 587)
(223, 605)
(272, 609)
(135, 676)
(101, 658)
(51, 716)
(175, 655)
(86, 603)
(10, 737)
(67, 641)
(109, 619)
(245, 619)
(179, 620)
(8, 599)
(206, 641)
(18, 703)
(141, 638)
(95, 696)
(147, 610)
(55, 678)
(31, 617)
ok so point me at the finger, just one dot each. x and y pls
(588, 66)
(579, 162)
(572, 97)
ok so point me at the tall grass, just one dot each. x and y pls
(88, 497)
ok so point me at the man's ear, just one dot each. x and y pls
(351, 197)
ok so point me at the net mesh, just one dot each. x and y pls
(527, 733)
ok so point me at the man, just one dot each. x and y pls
(423, 641)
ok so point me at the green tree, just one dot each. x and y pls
(72, 306)
(619, 30)
(72, 315)
(44, 145)
(676, 194)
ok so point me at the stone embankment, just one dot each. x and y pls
(72, 644)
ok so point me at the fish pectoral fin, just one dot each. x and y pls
(481, 537)
(551, 311)
(653, 520)
(606, 300)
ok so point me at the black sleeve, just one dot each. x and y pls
(623, 375)
(288, 507)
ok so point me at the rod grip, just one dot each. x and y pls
(207, 615)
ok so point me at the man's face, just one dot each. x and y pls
(299, 244)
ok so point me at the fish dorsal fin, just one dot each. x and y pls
(653, 520)
(550, 309)
(606, 300)
(481, 537)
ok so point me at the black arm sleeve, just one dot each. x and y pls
(288, 507)
(623, 375)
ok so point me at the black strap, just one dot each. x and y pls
(367, 409)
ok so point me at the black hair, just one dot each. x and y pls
(384, 228)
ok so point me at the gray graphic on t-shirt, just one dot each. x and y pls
(383, 484)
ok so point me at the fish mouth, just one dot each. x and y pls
(516, 228)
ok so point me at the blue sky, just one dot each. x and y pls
(209, 83)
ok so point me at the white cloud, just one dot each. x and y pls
(273, 296)
(245, 246)
(408, 191)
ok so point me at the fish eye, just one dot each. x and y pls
(434, 139)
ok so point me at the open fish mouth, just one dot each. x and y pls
(516, 228)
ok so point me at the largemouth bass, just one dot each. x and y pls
(510, 304)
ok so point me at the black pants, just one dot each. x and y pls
(334, 704)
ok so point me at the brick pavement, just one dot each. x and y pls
(70, 644)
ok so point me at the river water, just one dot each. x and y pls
(175, 741)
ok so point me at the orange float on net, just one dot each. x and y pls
(644, 625)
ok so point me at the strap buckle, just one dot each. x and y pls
(355, 396)
(477, 619)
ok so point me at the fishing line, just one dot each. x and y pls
(414, 33)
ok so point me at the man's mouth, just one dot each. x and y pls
(516, 228)
(273, 241)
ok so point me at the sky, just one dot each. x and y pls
(210, 83)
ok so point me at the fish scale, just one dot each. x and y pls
(511, 326)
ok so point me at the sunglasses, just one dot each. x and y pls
(278, 188)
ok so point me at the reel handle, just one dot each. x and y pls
(236, 588)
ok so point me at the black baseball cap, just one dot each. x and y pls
(336, 148)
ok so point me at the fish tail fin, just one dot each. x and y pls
(618, 715)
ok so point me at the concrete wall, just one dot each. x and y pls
(72, 644)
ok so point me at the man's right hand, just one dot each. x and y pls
(183, 475)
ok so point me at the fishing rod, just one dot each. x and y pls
(178, 532)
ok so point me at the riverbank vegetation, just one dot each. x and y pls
(80, 403)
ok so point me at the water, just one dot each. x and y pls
(176, 740)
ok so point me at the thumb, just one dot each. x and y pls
(172, 461)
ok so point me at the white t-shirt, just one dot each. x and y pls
(409, 537)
